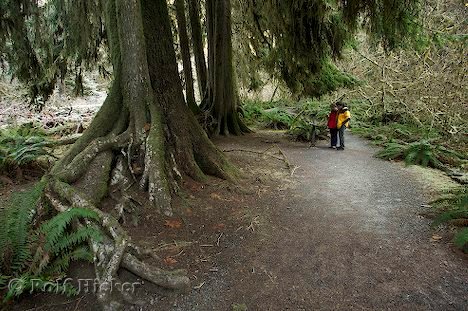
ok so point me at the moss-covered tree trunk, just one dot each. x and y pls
(222, 100)
(143, 139)
(185, 52)
(197, 45)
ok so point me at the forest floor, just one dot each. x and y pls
(328, 230)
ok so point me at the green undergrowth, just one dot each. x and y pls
(397, 132)
(304, 120)
(403, 137)
(22, 147)
(452, 208)
(37, 245)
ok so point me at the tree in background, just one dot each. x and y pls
(221, 101)
(198, 45)
(185, 52)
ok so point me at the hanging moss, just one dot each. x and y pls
(42, 43)
(294, 40)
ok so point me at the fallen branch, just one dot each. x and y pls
(291, 168)
(254, 152)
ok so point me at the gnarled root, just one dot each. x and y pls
(114, 251)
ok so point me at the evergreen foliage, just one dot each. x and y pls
(276, 118)
(419, 93)
(295, 40)
(43, 41)
(407, 136)
(34, 257)
(461, 239)
(268, 115)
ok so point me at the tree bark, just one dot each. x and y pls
(198, 45)
(185, 51)
(143, 125)
(221, 103)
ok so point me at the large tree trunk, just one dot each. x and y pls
(144, 137)
(198, 46)
(222, 100)
(185, 52)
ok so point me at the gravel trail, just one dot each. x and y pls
(346, 237)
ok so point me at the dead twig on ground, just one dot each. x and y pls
(219, 238)
(284, 158)
(254, 152)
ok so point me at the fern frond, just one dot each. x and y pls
(17, 287)
(21, 147)
(3, 281)
(32, 259)
(55, 227)
(61, 264)
(4, 240)
(16, 220)
(40, 261)
(75, 238)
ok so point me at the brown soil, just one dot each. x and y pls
(341, 233)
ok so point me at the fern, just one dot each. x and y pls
(276, 118)
(55, 227)
(34, 258)
(16, 226)
(21, 147)
(61, 264)
(423, 153)
(77, 237)
(392, 151)
(3, 281)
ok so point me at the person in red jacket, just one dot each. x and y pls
(332, 122)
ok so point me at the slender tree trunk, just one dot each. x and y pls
(198, 46)
(185, 51)
(144, 139)
(222, 99)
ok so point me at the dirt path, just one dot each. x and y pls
(343, 233)
(348, 236)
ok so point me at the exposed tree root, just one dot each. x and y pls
(115, 251)
(169, 279)
(122, 166)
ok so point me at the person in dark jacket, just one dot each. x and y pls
(332, 125)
